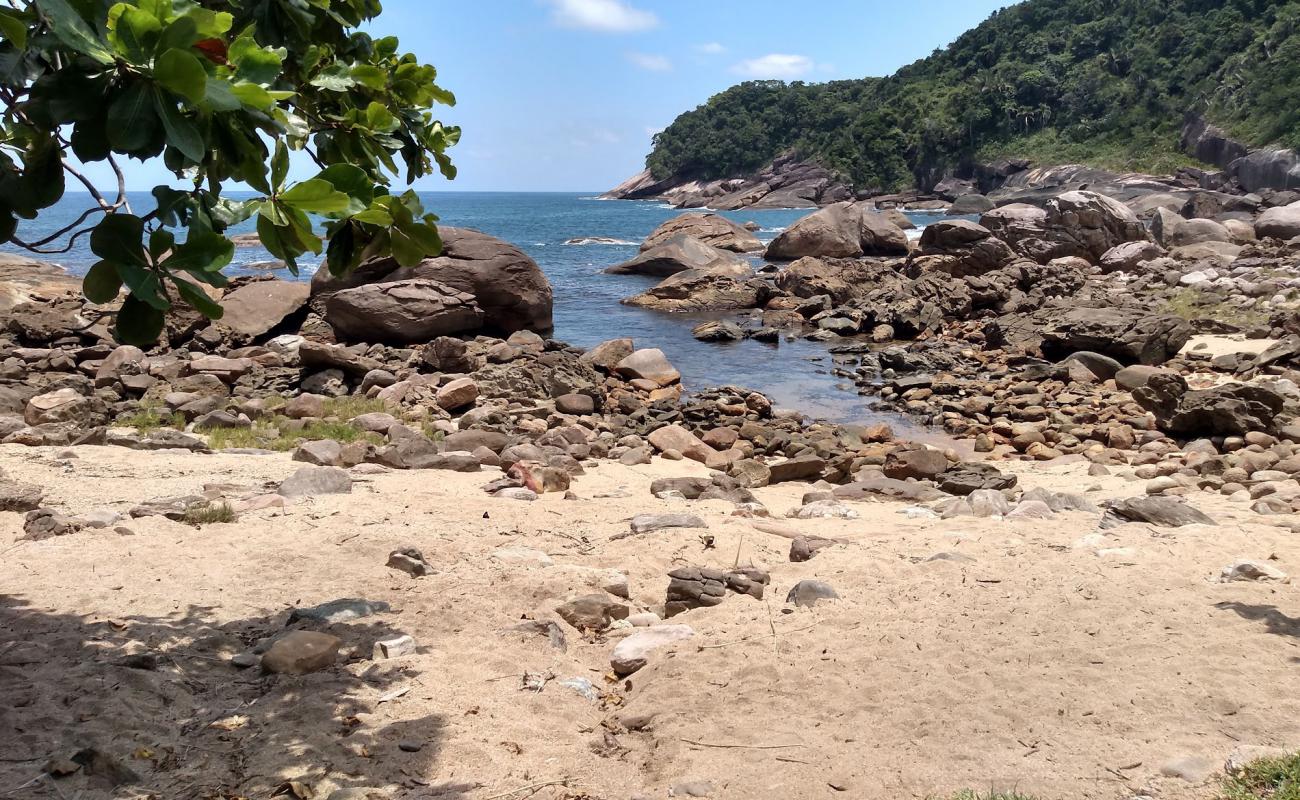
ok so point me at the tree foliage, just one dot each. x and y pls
(222, 91)
(1112, 77)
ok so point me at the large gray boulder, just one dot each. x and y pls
(711, 229)
(1083, 224)
(1282, 222)
(843, 230)
(722, 288)
(1233, 409)
(960, 248)
(1172, 230)
(402, 312)
(1129, 335)
(508, 287)
(677, 254)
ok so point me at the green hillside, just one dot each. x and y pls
(1105, 82)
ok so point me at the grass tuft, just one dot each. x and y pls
(353, 406)
(209, 514)
(1266, 779)
(1192, 304)
(275, 435)
(150, 418)
(968, 794)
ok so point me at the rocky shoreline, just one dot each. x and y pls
(585, 540)
(1044, 332)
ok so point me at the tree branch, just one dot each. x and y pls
(64, 249)
(61, 232)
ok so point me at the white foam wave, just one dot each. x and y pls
(602, 240)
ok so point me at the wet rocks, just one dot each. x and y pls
(674, 255)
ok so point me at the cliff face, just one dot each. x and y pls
(785, 183)
(1264, 168)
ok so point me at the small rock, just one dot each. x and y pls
(632, 653)
(808, 593)
(343, 610)
(410, 561)
(301, 652)
(394, 648)
(645, 523)
(311, 481)
(1253, 571)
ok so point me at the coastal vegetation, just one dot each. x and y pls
(222, 92)
(1104, 82)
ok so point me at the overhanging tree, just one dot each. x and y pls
(222, 91)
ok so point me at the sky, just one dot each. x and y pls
(565, 95)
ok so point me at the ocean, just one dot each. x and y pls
(797, 374)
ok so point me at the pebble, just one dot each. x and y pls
(409, 746)
(1253, 571)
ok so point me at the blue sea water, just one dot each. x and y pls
(587, 309)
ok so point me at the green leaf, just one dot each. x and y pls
(406, 250)
(198, 298)
(13, 28)
(279, 165)
(182, 73)
(138, 323)
(374, 216)
(71, 28)
(102, 283)
(334, 78)
(180, 34)
(43, 172)
(315, 196)
(119, 238)
(90, 141)
(250, 94)
(181, 132)
(133, 32)
(253, 62)
(380, 119)
(370, 76)
(218, 96)
(144, 285)
(203, 251)
(160, 241)
(132, 119)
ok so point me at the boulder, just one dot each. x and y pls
(959, 248)
(1127, 256)
(728, 287)
(1231, 409)
(675, 437)
(1129, 335)
(608, 354)
(506, 285)
(920, 462)
(301, 652)
(842, 230)
(1083, 224)
(711, 229)
(401, 312)
(648, 364)
(1160, 510)
(60, 405)
(675, 255)
(1282, 222)
(311, 481)
(259, 307)
(1172, 230)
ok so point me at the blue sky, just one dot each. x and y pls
(564, 95)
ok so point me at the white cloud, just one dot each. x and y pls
(775, 66)
(654, 63)
(606, 16)
(710, 49)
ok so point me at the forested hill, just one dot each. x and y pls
(1105, 82)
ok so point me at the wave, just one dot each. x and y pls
(770, 230)
(605, 240)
